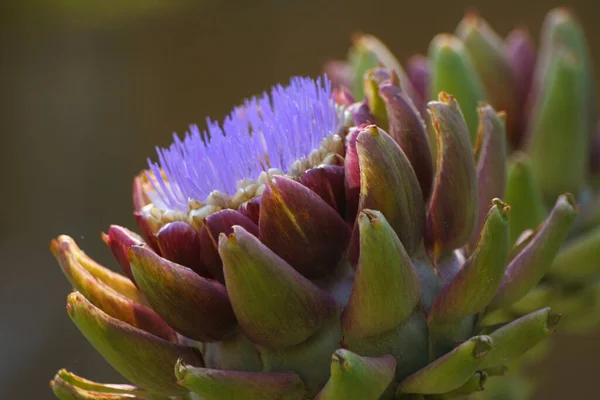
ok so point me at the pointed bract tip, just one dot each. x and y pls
(339, 357)
(483, 344)
(447, 42)
(180, 370)
(553, 320)
(570, 199)
(503, 207)
(225, 239)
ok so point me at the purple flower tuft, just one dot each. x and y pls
(271, 131)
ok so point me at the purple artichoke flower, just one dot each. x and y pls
(306, 248)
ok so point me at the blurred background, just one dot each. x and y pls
(88, 89)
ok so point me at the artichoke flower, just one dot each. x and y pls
(305, 249)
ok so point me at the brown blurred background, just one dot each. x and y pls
(88, 89)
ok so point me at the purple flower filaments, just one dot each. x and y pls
(270, 131)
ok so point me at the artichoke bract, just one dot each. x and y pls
(305, 249)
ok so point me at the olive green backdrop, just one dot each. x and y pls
(88, 91)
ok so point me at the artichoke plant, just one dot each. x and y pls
(314, 247)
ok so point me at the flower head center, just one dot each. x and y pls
(278, 131)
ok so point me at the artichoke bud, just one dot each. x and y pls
(119, 240)
(108, 300)
(300, 227)
(216, 223)
(214, 384)
(144, 359)
(180, 243)
(490, 153)
(356, 377)
(454, 205)
(452, 71)
(296, 227)
(450, 371)
(491, 63)
(387, 183)
(376, 307)
(294, 308)
(197, 307)
(531, 264)
(524, 196)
